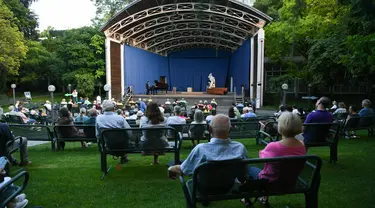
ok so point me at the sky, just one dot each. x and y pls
(64, 14)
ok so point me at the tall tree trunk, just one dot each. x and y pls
(3, 80)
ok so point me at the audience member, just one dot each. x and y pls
(366, 110)
(19, 201)
(66, 119)
(63, 103)
(353, 113)
(48, 105)
(110, 120)
(295, 109)
(142, 106)
(176, 119)
(153, 118)
(340, 109)
(236, 111)
(197, 131)
(138, 118)
(5, 136)
(24, 117)
(93, 113)
(231, 114)
(320, 115)
(120, 112)
(289, 126)
(81, 118)
(210, 117)
(220, 147)
(247, 113)
(334, 105)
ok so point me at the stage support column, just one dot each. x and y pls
(260, 69)
(108, 64)
(251, 68)
(122, 58)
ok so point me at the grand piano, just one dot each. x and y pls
(160, 86)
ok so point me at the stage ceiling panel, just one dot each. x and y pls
(165, 26)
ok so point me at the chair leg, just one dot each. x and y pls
(311, 200)
(333, 154)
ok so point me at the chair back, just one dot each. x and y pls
(15, 119)
(33, 133)
(114, 141)
(241, 130)
(89, 130)
(319, 132)
(352, 123)
(177, 128)
(218, 177)
(288, 172)
(271, 129)
(366, 121)
(197, 131)
(340, 116)
(155, 137)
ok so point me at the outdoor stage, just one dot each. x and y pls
(223, 100)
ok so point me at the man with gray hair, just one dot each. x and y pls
(366, 110)
(176, 119)
(220, 147)
(110, 120)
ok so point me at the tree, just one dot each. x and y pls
(81, 58)
(12, 47)
(25, 19)
(37, 66)
(105, 9)
(269, 7)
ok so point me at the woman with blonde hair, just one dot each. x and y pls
(289, 126)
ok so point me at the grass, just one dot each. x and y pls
(72, 179)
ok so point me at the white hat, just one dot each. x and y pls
(140, 114)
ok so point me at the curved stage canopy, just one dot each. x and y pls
(166, 26)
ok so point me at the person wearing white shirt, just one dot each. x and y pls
(334, 105)
(210, 117)
(176, 119)
(98, 99)
(48, 105)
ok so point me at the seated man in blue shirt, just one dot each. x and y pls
(248, 113)
(221, 147)
(110, 120)
(366, 110)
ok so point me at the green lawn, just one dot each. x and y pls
(72, 179)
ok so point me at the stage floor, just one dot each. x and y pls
(190, 98)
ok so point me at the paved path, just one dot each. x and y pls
(34, 143)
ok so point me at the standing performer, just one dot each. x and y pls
(75, 95)
(148, 87)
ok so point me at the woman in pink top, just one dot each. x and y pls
(289, 125)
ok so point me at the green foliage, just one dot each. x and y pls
(12, 47)
(269, 7)
(37, 65)
(25, 19)
(334, 37)
(105, 9)
(81, 58)
(360, 57)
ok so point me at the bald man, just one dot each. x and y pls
(220, 147)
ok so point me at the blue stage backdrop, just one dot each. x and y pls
(140, 66)
(240, 65)
(188, 68)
